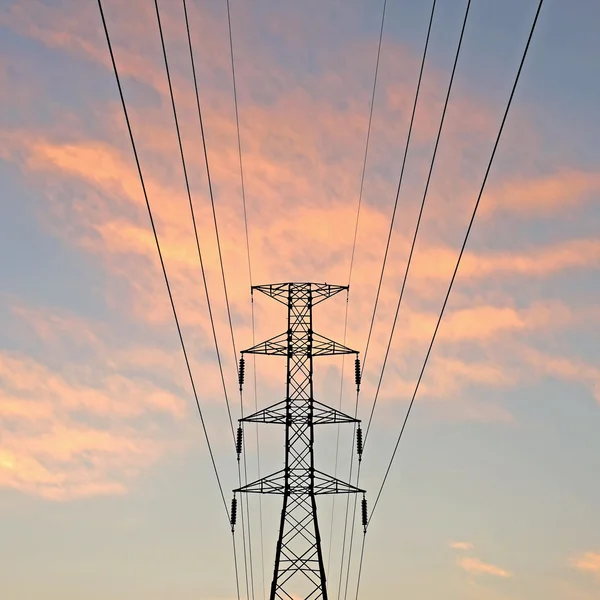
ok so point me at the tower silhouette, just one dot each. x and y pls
(299, 568)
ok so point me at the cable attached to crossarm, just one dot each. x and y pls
(453, 278)
(166, 278)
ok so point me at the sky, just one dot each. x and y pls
(106, 486)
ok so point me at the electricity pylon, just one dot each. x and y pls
(299, 567)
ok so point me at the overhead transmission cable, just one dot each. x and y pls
(250, 278)
(416, 232)
(212, 201)
(393, 219)
(408, 138)
(456, 268)
(166, 278)
(364, 166)
(193, 216)
(418, 225)
(360, 196)
(199, 251)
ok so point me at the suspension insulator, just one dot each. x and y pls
(364, 513)
(357, 375)
(241, 372)
(359, 442)
(233, 513)
(238, 441)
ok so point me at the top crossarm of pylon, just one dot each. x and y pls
(281, 291)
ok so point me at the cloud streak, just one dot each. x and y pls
(589, 562)
(302, 150)
(475, 566)
(461, 545)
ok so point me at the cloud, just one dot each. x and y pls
(65, 439)
(84, 413)
(588, 562)
(568, 368)
(461, 545)
(476, 566)
(302, 155)
(438, 262)
(559, 191)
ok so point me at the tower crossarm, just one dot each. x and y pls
(298, 485)
(281, 291)
(277, 414)
(275, 346)
(271, 484)
(323, 346)
(326, 484)
(281, 345)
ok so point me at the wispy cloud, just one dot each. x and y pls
(545, 195)
(476, 566)
(302, 151)
(461, 545)
(589, 562)
(66, 439)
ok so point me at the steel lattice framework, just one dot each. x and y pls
(299, 566)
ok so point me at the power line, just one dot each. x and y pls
(235, 563)
(193, 215)
(210, 187)
(414, 240)
(239, 140)
(360, 564)
(166, 278)
(416, 232)
(458, 261)
(160, 256)
(364, 167)
(189, 195)
(353, 514)
(260, 511)
(247, 236)
(414, 108)
(348, 509)
(464, 244)
(408, 137)
(360, 196)
(212, 202)
(337, 441)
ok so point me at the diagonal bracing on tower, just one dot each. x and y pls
(299, 568)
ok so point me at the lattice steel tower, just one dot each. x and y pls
(299, 567)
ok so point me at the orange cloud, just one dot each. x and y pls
(461, 545)
(570, 369)
(587, 563)
(52, 447)
(438, 262)
(476, 566)
(543, 195)
(302, 158)
(303, 236)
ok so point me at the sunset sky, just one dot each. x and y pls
(106, 487)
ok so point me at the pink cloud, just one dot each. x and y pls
(570, 369)
(476, 566)
(49, 450)
(438, 262)
(589, 562)
(461, 545)
(559, 191)
(302, 155)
